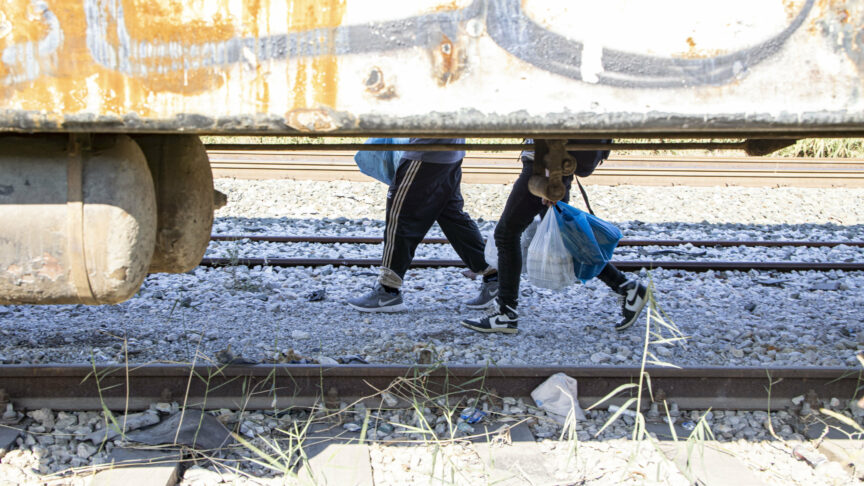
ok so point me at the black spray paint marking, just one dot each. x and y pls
(506, 24)
(511, 29)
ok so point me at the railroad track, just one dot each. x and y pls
(693, 266)
(623, 242)
(269, 386)
(284, 387)
(498, 168)
(623, 265)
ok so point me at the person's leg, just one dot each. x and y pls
(464, 235)
(519, 211)
(634, 295)
(612, 277)
(412, 205)
(461, 231)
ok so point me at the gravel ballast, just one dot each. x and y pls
(730, 318)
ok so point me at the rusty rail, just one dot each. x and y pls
(626, 266)
(486, 168)
(479, 147)
(76, 387)
(625, 242)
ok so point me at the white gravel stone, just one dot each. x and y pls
(300, 335)
(84, 450)
(44, 416)
(199, 476)
(163, 407)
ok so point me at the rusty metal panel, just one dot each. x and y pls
(431, 66)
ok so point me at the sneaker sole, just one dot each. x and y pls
(388, 309)
(622, 327)
(505, 330)
(480, 306)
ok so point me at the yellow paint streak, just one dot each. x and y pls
(317, 77)
(251, 21)
(251, 17)
(325, 69)
(694, 53)
(66, 90)
(26, 23)
(300, 82)
(73, 83)
(179, 21)
(792, 8)
(840, 10)
(185, 83)
(452, 6)
(21, 23)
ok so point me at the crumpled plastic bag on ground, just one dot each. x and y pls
(198, 430)
(550, 265)
(557, 396)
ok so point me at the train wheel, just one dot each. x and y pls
(184, 200)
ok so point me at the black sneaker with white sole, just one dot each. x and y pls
(633, 296)
(503, 319)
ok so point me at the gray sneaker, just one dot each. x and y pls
(378, 300)
(488, 292)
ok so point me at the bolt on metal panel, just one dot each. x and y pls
(431, 66)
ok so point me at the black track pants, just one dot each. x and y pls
(421, 194)
(520, 210)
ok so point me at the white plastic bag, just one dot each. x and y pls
(525, 242)
(490, 253)
(557, 396)
(550, 265)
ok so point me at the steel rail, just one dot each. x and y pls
(267, 156)
(625, 242)
(275, 386)
(680, 133)
(478, 147)
(486, 168)
(627, 266)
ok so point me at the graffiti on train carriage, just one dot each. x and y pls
(112, 44)
(30, 59)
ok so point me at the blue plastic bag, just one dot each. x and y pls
(589, 240)
(380, 165)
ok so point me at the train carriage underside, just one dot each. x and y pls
(103, 178)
